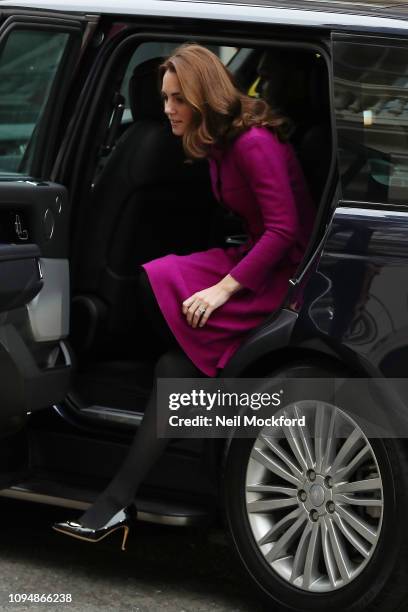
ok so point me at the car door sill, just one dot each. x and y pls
(113, 415)
(151, 511)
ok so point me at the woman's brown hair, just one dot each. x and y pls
(220, 111)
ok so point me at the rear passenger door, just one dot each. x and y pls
(38, 55)
(363, 301)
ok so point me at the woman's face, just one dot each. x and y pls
(178, 111)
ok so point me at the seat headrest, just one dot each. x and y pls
(144, 91)
(280, 59)
(293, 82)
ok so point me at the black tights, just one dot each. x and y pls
(146, 447)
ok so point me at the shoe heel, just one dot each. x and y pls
(125, 536)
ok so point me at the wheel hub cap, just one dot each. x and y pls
(317, 495)
(314, 498)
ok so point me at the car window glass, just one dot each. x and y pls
(371, 106)
(28, 64)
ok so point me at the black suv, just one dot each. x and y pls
(92, 185)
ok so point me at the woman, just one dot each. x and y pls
(204, 303)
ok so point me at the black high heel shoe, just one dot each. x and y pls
(121, 520)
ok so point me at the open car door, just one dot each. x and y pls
(38, 55)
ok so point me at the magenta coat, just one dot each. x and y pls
(263, 183)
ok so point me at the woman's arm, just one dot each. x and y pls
(230, 284)
(261, 160)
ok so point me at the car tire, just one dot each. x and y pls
(377, 578)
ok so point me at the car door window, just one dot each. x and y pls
(29, 61)
(371, 105)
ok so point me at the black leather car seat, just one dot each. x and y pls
(146, 202)
(295, 83)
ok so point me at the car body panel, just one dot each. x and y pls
(357, 296)
(298, 15)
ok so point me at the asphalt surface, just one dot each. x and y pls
(164, 569)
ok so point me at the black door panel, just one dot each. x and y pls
(35, 213)
(27, 382)
(35, 364)
(20, 275)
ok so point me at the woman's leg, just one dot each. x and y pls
(145, 449)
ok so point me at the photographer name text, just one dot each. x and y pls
(236, 421)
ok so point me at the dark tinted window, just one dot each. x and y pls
(28, 64)
(371, 104)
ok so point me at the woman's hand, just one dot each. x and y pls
(199, 306)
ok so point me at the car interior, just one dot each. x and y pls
(144, 200)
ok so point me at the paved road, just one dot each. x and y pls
(164, 569)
